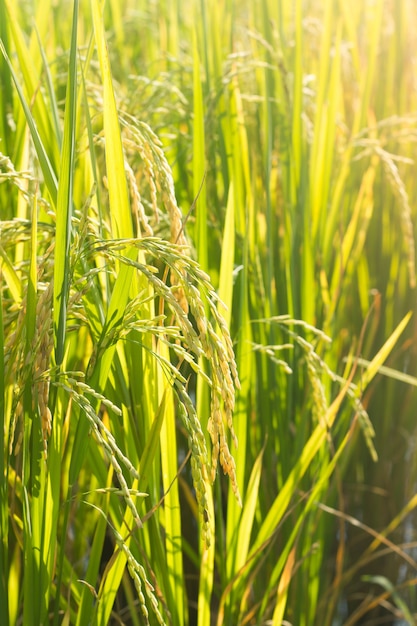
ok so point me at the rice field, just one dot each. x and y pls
(208, 339)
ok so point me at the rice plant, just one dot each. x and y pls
(207, 281)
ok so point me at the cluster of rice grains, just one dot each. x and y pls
(190, 291)
(216, 346)
(26, 364)
(142, 140)
(34, 367)
(43, 349)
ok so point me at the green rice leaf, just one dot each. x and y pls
(383, 353)
(64, 201)
(44, 161)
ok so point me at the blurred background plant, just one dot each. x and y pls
(207, 209)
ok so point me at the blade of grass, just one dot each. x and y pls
(36, 583)
(118, 194)
(51, 93)
(282, 591)
(64, 201)
(4, 478)
(10, 275)
(172, 509)
(30, 66)
(5, 83)
(199, 163)
(61, 284)
(44, 161)
(228, 257)
(389, 372)
(383, 353)
(247, 519)
(201, 240)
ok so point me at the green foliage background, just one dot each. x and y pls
(207, 282)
